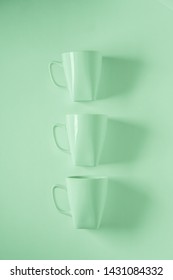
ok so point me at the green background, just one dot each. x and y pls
(136, 91)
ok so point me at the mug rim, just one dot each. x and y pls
(81, 51)
(88, 114)
(86, 177)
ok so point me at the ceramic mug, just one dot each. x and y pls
(82, 72)
(86, 196)
(86, 135)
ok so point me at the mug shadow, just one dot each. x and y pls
(123, 141)
(125, 207)
(119, 76)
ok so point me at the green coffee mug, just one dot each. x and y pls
(82, 72)
(86, 135)
(87, 196)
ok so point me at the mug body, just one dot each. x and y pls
(86, 134)
(87, 196)
(82, 71)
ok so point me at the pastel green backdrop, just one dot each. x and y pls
(136, 91)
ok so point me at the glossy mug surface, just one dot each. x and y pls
(86, 135)
(82, 72)
(86, 196)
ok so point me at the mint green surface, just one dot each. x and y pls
(136, 91)
(86, 196)
(167, 3)
(82, 70)
(86, 137)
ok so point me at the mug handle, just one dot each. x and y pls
(62, 211)
(59, 63)
(58, 125)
